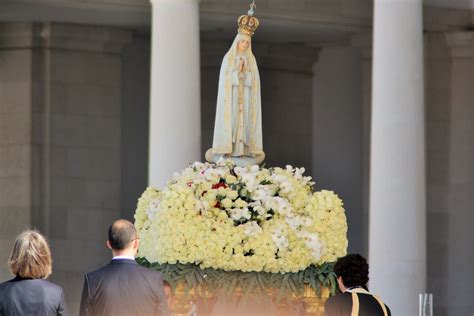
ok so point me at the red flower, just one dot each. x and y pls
(219, 185)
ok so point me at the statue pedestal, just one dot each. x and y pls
(238, 304)
(239, 161)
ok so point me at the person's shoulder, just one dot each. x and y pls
(49, 285)
(46, 285)
(5, 285)
(339, 298)
(98, 272)
(149, 272)
(337, 304)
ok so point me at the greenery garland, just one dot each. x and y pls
(286, 284)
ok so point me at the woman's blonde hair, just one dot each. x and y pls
(31, 257)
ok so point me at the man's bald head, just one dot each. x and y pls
(121, 234)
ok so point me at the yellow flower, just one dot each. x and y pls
(240, 203)
(232, 194)
(182, 224)
(230, 179)
(227, 203)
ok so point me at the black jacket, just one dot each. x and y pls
(341, 305)
(31, 297)
(123, 288)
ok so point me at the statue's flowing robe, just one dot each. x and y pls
(225, 128)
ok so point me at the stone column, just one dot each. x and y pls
(459, 237)
(397, 233)
(363, 41)
(175, 129)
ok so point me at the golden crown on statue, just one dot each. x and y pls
(248, 23)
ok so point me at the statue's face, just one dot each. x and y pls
(243, 44)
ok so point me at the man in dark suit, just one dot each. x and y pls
(352, 273)
(123, 287)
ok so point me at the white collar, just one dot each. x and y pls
(123, 257)
(349, 289)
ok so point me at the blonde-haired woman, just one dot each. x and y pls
(28, 293)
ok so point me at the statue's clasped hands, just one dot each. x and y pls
(241, 65)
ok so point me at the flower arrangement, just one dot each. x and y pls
(232, 218)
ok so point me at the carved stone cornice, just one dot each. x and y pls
(445, 18)
(127, 13)
(19, 35)
(63, 36)
(461, 44)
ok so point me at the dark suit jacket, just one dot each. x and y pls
(341, 305)
(123, 288)
(31, 297)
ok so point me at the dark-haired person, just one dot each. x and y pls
(28, 293)
(352, 273)
(123, 287)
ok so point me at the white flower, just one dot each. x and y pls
(213, 175)
(278, 178)
(295, 222)
(252, 228)
(278, 204)
(239, 170)
(153, 208)
(281, 242)
(197, 165)
(202, 206)
(250, 181)
(262, 192)
(257, 207)
(312, 242)
(286, 187)
(239, 213)
(307, 180)
(299, 173)
(246, 213)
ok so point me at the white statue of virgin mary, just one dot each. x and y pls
(238, 125)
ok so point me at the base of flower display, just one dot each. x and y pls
(215, 291)
(224, 233)
(239, 161)
(207, 303)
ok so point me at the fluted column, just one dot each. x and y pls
(175, 121)
(397, 233)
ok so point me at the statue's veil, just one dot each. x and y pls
(222, 141)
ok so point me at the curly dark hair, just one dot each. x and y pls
(353, 269)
